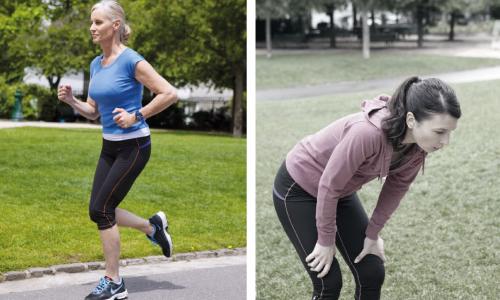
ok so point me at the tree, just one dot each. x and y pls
(364, 6)
(193, 42)
(419, 8)
(16, 24)
(329, 6)
(454, 7)
(267, 9)
(51, 37)
(75, 15)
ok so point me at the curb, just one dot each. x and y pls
(88, 266)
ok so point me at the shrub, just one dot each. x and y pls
(7, 100)
(35, 99)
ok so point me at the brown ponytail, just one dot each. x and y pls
(422, 98)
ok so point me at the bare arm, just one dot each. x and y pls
(87, 109)
(166, 94)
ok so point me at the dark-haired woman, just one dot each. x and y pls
(315, 188)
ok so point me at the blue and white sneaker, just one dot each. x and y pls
(160, 235)
(107, 289)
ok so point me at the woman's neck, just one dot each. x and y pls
(112, 49)
(408, 139)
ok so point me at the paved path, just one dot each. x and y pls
(478, 45)
(465, 46)
(481, 74)
(14, 124)
(205, 278)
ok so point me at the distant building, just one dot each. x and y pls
(203, 98)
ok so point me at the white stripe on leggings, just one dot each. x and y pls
(351, 263)
(298, 239)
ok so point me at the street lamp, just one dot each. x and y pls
(17, 114)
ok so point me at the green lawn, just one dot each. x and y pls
(327, 67)
(199, 180)
(443, 241)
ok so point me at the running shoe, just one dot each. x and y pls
(160, 235)
(107, 289)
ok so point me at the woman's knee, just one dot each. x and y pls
(103, 219)
(371, 271)
(328, 287)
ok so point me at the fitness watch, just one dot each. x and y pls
(138, 116)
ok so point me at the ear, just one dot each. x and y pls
(410, 120)
(116, 24)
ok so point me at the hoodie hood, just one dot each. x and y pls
(375, 110)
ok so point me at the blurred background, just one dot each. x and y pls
(393, 23)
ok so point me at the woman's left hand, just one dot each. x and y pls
(123, 118)
(375, 247)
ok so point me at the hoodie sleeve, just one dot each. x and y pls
(358, 143)
(394, 188)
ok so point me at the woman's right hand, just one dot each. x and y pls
(65, 93)
(320, 259)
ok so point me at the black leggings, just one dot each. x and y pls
(119, 165)
(296, 211)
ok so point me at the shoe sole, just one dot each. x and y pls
(121, 295)
(164, 222)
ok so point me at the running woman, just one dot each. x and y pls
(115, 94)
(315, 189)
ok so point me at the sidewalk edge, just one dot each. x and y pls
(87, 266)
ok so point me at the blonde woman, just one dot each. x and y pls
(115, 93)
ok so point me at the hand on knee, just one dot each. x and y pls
(320, 259)
(375, 247)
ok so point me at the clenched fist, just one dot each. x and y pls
(65, 93)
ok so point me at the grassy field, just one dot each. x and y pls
(327, 67)
(442, 242)
(199, 180)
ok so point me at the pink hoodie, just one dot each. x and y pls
(337, 160)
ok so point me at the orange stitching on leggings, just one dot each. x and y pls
(119, 180)
(298, 239)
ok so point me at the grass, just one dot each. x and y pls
(442, 242)
(46, 178)
(329, 67)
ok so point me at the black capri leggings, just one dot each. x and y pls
(296, 211)
(119, 165)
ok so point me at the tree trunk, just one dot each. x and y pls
(373, 18)
(268, 36)
(237, 102)
(451, 36)
(354, 18)
(67, 5)
(86, 81)
(333, 43)
(366, 33)
(54, 83)
(420, 25)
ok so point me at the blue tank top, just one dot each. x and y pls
(115, 86)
